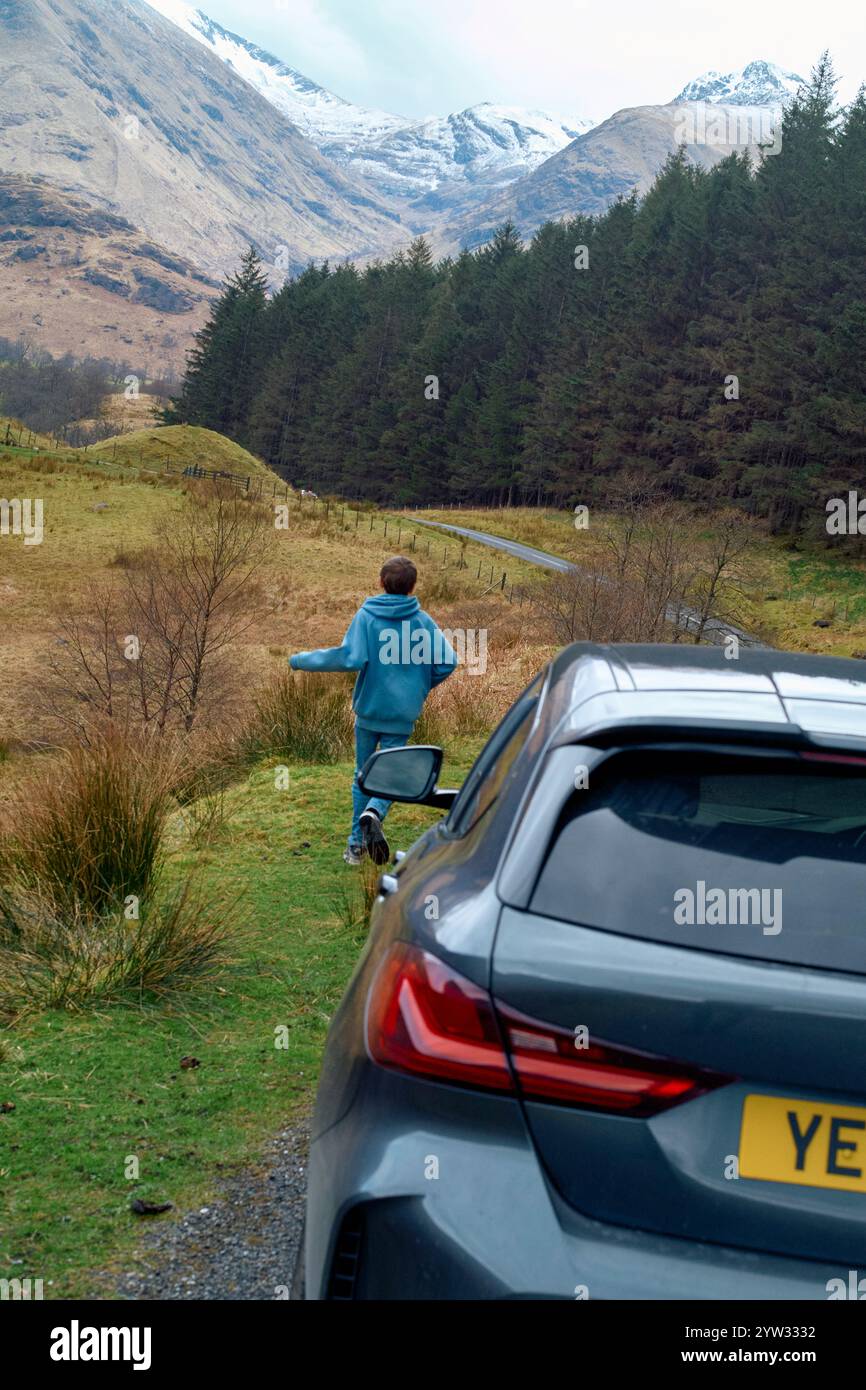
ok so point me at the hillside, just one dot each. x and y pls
(181, 445)
(78, 279)
(115, 104)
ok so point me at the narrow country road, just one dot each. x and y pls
(687, 619)
(533, 556)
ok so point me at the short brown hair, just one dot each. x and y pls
(398, 575)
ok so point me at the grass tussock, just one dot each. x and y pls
(87, 828)
(355, 895)
(303, 717)
(83, 915)
(464, 706)
(68, 958)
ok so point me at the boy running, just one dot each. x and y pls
(400, 656)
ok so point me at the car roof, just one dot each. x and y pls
(819, 698)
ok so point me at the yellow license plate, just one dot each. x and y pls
(805, 1142)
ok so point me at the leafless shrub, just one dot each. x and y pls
(658, 574)
(152, 648)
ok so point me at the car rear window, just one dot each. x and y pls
(759, 857)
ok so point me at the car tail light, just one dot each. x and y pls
(848, 759)
(551, 1063)
(424, 1017)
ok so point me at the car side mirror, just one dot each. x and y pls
(406, 774)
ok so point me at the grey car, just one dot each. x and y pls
(606, 1038)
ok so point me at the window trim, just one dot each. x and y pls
(510, 724)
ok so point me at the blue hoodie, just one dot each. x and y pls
(400, 655)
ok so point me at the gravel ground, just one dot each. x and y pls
(242, 1245)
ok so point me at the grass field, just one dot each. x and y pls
(93, 1091)
(319, 570)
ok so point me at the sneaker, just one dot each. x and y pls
(373, 840)
(352, 855)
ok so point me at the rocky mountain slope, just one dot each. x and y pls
(114, 103)
(622, 153)
(82, 280)
(759, 83)
(334, 125)
(457, 177)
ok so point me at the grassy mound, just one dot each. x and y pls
(183, 445)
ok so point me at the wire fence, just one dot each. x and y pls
(261, 489)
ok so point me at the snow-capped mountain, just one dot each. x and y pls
(757, 84)
(325, 119)
(486, 144)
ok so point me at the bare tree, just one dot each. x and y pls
(719, 589)
(153, 648)
(656, 576)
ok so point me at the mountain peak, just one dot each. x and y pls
(323, 117)
(487, 142)
(759, 83)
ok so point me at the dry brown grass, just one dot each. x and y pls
(319, 573)
(84, 830)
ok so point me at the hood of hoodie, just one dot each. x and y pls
(391, 606)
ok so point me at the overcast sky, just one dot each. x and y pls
(430, 57)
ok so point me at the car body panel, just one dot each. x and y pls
(785, 1031)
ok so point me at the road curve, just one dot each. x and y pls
(516, 548)
(687, 619)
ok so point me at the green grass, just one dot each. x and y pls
(180, 445)
(93, 1090)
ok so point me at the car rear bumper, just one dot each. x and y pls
(438, 1193)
